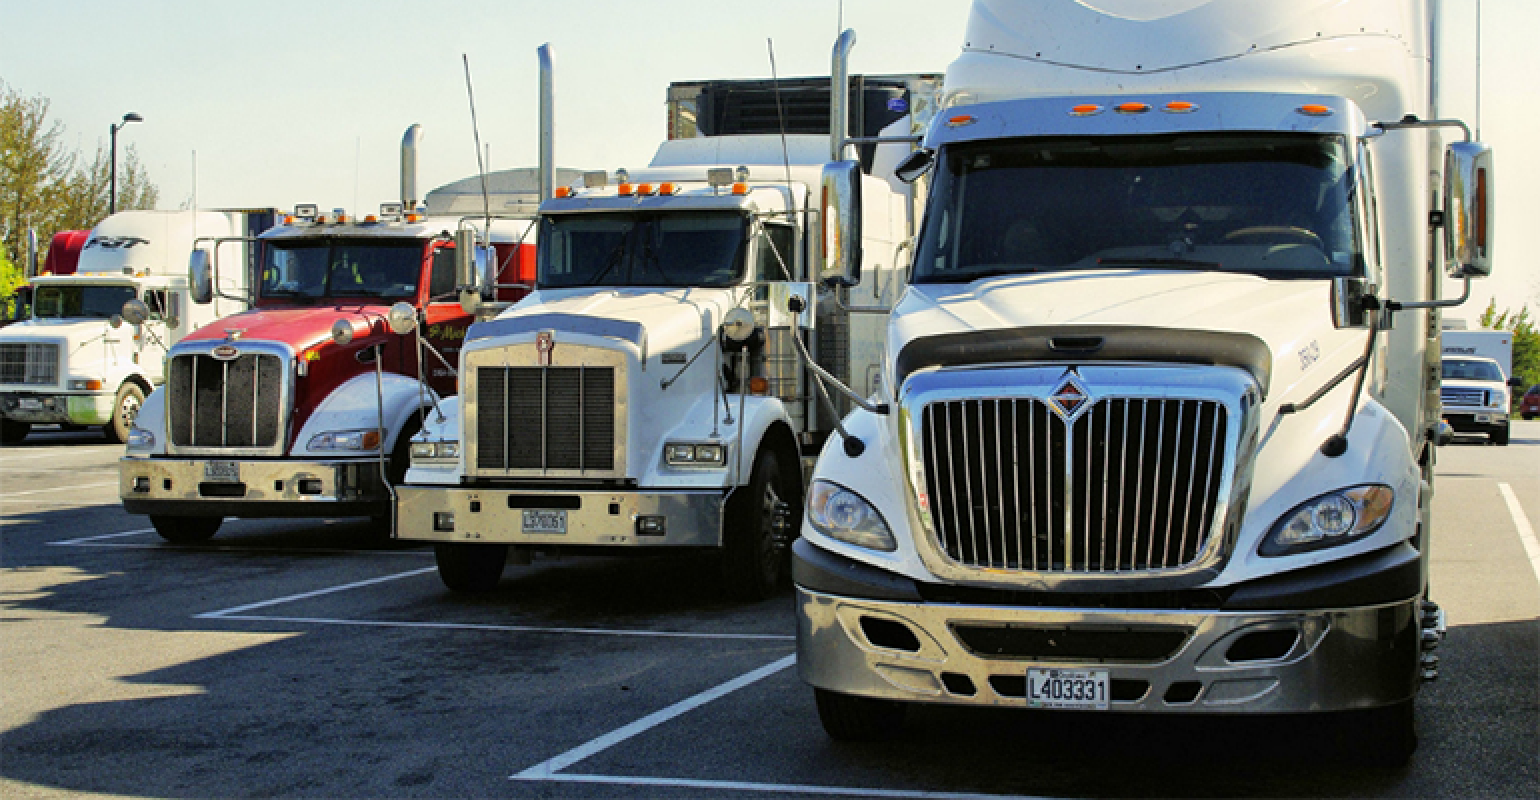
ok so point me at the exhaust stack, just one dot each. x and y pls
(839, 94)
(547, 119)
(409, 142)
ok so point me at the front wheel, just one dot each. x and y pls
(12, 431)
(753, 561)
(186, 530)
(125, 409)
(848, 718)
(470, 568)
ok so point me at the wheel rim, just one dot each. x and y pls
(769, 559)
(128, 410)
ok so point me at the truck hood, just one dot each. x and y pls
(299, 328)
(1291, 318)
(73, 330)
(666, 319)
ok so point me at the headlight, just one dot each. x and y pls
(1329, 520)
(846, 516)
(90, 384)
(435, 451)
(140, 439)
(346, 440)
(690, 454)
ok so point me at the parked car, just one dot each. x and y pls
(1529, 406)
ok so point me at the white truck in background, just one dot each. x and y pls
(1160, 391)
(650, 394)
(74, 361)
(1477, 379)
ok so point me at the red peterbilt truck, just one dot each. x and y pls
(265, 414)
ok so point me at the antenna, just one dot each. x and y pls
(481, 167)
(780, 115)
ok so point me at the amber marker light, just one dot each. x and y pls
(667, 188)
(961, 120)
(1315, 110)
(625, 189)
(1179, 107)
(740, 188)
(645, 188)
(1132, 108)
(759, 385)
(1085, 110)
(563, 191)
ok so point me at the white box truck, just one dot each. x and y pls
(1478, 376)
(1160, 390)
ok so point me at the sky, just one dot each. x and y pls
(274, 104)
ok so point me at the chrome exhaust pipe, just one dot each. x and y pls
(839, 94)
(409, 142)
(547, 132)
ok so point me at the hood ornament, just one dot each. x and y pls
(545, 342)
(231, 334)
(1070, 398)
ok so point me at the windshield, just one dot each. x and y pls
(318, 268)
(1466, 370)
(642, 249)
(81, 301)
(1277, 205)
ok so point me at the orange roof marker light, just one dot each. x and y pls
(1179, 107)
(1314, 110)
(1131, 108)
(564, 191)
(1086, 110)
(645, 188)
(740, 188)
(961, 120)
(625, 189)
(667, 188)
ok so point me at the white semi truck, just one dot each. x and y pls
(1160, 389)
(652, 393)
(74, 362)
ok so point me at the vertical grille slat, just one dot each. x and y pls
(545, 418)
(225, 404)
(1129, 485)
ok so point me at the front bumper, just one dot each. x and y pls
(259, 488)
(1239, 660)
(598, 518)
(67, 409)
(1476, 421)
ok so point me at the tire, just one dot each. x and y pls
(1387, 736)
(1500, 436)
(125, 408)
(186, 530)
(12, 431)
(847, 718)
(470, 568)
(752, 566)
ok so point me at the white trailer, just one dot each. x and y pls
(649, 394)
(1160, 391)
(74, 362)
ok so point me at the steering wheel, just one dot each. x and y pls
(1284, 231)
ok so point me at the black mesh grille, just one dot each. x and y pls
(32, 363)
(236, 403)
(558, 418)
(1131, 485)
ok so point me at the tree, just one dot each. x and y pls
(10, 278)
(1526, 340)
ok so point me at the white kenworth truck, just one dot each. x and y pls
(1158, 395)
(650, 392)
(74, 361)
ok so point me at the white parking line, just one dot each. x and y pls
(780, 788)
(317, 593)
(57, 489)
(546, 769)
(474, 626)
(7, 458)
(1526, 532)
(84, 539)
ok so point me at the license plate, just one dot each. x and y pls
(225, 471)
(545, 521)
(29, 403)
(1067, 688)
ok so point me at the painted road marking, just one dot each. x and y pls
(779, 788)
(1526, 532)
(82, 541)
(227, 612)
(475, 626)
(57, 489)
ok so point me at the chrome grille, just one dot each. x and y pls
(1131, 485)
(1456, 396)
(545, 418)
(30, 363)
(235, 403)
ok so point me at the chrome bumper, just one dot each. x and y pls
(1339, 659)
(496, 516)
(280, 488)
(69, 409)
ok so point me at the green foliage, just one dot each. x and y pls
(10, 277)
(1526, 339)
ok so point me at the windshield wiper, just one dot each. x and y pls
(1159, 263)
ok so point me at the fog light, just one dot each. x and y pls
(443, 520)
(142, 484)
(650, 525)
(310, 486)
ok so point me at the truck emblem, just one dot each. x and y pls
(545, 342)
(231, 334)
(226, 352)
(1069, 399)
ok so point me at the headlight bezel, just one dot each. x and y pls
(695, 455)
(435, 451)
(1307, 527)
(357, 440)
(870, 532)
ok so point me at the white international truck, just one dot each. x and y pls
(1477, 379)
(650, 394)
(73, 361)
(1159, 392)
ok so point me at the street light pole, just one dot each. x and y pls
(112, 179)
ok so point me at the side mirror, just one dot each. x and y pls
(116, 321)
(471, 265)
(1516, 382)
(1350, 306)
(1468, 210)
(135, 312)
(915, 165)
(841, 216)
(200, 277)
